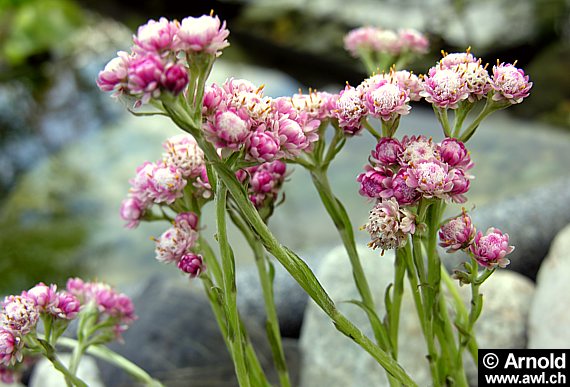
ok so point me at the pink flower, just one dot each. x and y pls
(262, 147)
(19, 314)
(404, 195)
(75, 286)
(476, 79)
(265, 181)
(187, 221)
(132, 211)
(10, 347)
(228, 129)
(409, 82)
(413, 41)
(510, 83)
(165, 183)
(490, 249)
(387, 41)
(431, 178)
(457, 234)
(449, 61)
(174, 78)
(349, 110)
(114, 76)
(67, 306)
(144, 77)
(389, 225)
(444, 88)
(385, 100)
(416, 149)
(454, 153)
(183, 152)
(174, 243)
(361, 39)
(155, 36)
(292, 138)
(461, 183)
(316, 105)
(375, 182)
(387, 151)
(44, 296)
(205, 34)
(192, 264)
(202, 187)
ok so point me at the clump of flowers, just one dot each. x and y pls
(389, 225)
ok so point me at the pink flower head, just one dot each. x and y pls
(205, 34)
(67, 306)
(409, 82)
(476, 79)
(202, 187)
(174, 78)
(292, 138)
(145, 75)
(10, 347)
(156, 36)
(404, 195)
(375, 182)
(114, 76)
(490, 249)
(44, 296)
(265, 182)
(349, 110)
(387, 151)
(162, 183)
(389, 225)
(228, 129)
(262, 147)
(19, 314)
(174, 243)
(192, 264)
(453, 152)
(315, 104)
(187, 221)
(132, 211)
(457, 234)
(413, 41)
(444, 88)
(385, 100)
(461, 183)
(75, 286)
(449, 61)
(416, 149)
(510, 83)
(387, 41)
(214, 96)
(361, 39)
(431, 178)
(183, 152)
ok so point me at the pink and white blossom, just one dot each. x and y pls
(20, 314)
(350, 110)
(416, 149)
(114, 76)
(444, 88)
(490, 250)
(262, 146)
(389, 225)
(449, 61)
(386, 100)
(510, 83)
(453, 152)
(192, 264)
(431, 178)
(132, 210)
(183, 152)
(375, 182)
(156, 36)
(10, 347)
(457, 233)
(44, 296)
(413, 41)
(228, 129)
(205, 34)
(387, 151)
(174, 243)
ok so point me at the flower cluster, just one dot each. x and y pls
(158, 61)
(461, 76)
(264, 182)
(372, 39)
(416, 167)
(238, 115)
(490, 250)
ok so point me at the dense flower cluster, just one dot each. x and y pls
(237, 115)
(264, 182)
(372, 39)
(389, 225)
(157, 63)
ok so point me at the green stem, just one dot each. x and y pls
(230, 290)
(398, 291)
(114, 358)
(443, 119)
(76, 355)
(460, 115)
(490, 107)
(344, 227)
(273, 332)
(371, 129)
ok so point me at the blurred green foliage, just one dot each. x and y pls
(36, 27)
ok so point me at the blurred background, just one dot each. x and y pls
(67, 150)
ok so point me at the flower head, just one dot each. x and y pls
(389, 225)
(10, 347)
(413, 41)
(145, 74)
(174, 243)
(387, 151)
(187, 221)
(114, 76)
(375, 182)
(132, 210)
(454, 153)
(183, 152)
(404, 195)
(156, 36)
(510, 83)
(67, 306)
(191, 263)
(228, 129)
(444, 88)
(159, 182)
(431, 178)
(416, 149)
(361, 39)
(449, 61)
(476, 79)
(262, 146)
(174, 78)
(385, 100)
(20, 314)
(349, 110)
(490, 250)
(44, 296)
(457, 234)
(205, 34)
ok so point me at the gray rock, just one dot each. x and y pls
(549, 316)
(502, 324)
(45, 375)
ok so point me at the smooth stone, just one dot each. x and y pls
(45, 375)
(502, 324)
(549, 315)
